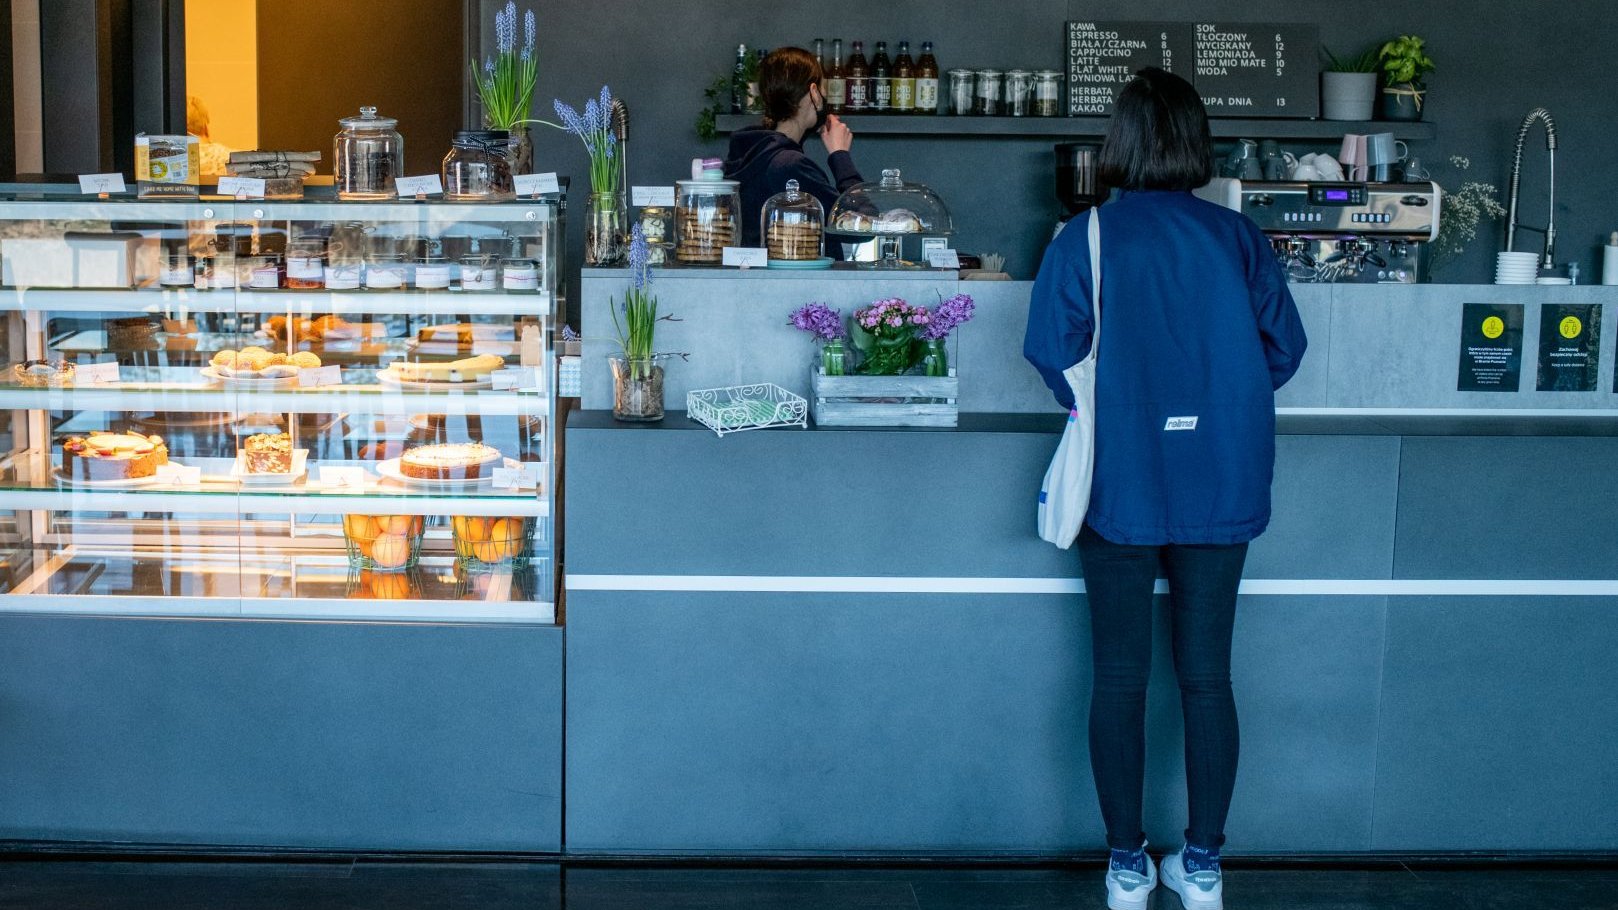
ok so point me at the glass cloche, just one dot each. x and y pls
(793, 225)
(888, 211)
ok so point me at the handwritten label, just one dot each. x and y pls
(179, 475)
(242, 187)
(944, 259)
(746, 257)
(96, 372)
(519, 378)
(342, 478)
(523, 477)
(425, 185)
(537, 184)
(312, 377)
(643, 196)
(96, 184)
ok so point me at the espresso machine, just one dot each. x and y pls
(1358, 233)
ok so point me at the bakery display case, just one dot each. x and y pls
(311, 410)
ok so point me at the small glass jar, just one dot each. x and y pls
(477, 168)
(792, 225)
(263, 273)
(1019, 92)
(478, 272)
(385, 273)
(344, 276)
(707, 218)
(306, 264)
(519, 274)
(432, 269)
(960, 92)
(369, 155)
(1047, 93)
(177, 270)
(654, 225)
(986, 99)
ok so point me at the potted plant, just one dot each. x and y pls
(1348, 86)
(637, 369)
(1405, 66)
(506, 84)
(826, 325)
(903, 377)
(606, 213)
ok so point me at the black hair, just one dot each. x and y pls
(784, 77)
(1158, 138)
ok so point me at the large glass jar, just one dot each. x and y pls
(707, 218)
(478, 169)
(792, 225)
(1047, 93)
(369, 155)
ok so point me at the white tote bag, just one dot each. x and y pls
(1065, 495)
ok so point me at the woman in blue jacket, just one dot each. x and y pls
(1200, 330)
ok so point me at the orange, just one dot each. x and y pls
(487, 552)
(394, 524)
(390, 551)
(388, 586)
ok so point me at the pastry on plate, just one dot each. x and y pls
(113, 456)
(467, 369)
(268, 453)
(450, 461)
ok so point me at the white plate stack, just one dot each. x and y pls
(1548, 280)
(1516, 268)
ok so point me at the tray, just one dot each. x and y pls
(746, 407)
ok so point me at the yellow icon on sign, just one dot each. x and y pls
(1571, 327)
(1494, 327)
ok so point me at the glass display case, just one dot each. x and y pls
(897, 218)
(293, 410)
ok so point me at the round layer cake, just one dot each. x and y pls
(113, 456)
(450, 461)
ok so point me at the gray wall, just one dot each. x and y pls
(1497, 61)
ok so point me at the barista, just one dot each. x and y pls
(764, 158)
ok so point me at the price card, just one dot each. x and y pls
(342, 478)
(537, 184)
(242, 187)
(318, 376)
(96, 372)
(746, 257)
(97, 184)
(519, 378)
(179, 475)
(524, 477)
(944, 259)
(642, 196)
(425, 185)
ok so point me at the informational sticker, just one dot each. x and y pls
(314, 377)
(425, 185)
(643, 196)
(1491, 347)
(335, 477)
(242, 187)
(746, 257)
(88, 373)
(96, 184)
(519, 378)
(179, 475)
(944, 259)
(1569, 346)
(523, 477)
(537, 184)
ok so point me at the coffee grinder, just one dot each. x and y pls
(1077, 186)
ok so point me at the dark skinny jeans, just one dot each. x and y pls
(1202, 582)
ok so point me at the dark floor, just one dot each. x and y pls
(361, 885)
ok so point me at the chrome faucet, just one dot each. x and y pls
(1549, 259)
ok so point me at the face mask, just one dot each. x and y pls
(820, 117)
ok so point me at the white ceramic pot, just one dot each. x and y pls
(1348, 96)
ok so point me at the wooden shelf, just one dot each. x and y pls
(1096, 127)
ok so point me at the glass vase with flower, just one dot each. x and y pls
(505, 86)
(606, 212)
(826, 325)
(934, 335)
(638, 370)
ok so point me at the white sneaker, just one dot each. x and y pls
(1203, 890)
(1128, 890)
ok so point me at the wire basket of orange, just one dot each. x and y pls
(369, 584)
(384, 543)
(491, 543)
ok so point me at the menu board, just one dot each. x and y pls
(1103, 56)
(1244, 70)
(1569, 346)
(1491, 347)
(1258, 69)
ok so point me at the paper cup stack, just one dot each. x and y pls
(1516, 268)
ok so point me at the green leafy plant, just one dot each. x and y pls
(717, 95)
(1464, 212)
(506, 83)
(1405, 61)
(1363, 63)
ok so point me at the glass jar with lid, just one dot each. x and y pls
(478, 169)
(306, 264)
(793, 225)
(369, 155)
(1047, 93)
(432, 269)
(1019, 92)
(654, 226)
(385, 272)
(888, 211)
(478, 269)
(986, 98)
(707, 218)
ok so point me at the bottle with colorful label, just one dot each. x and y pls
(927, 81)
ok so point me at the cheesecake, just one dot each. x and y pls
(113, 456)
(450, 461)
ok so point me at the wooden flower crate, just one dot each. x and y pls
(885, 401)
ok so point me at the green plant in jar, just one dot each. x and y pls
(1405, 62)
(506, 84)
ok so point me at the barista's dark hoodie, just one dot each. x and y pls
(763, 160)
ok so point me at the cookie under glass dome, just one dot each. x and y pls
(886, 212)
